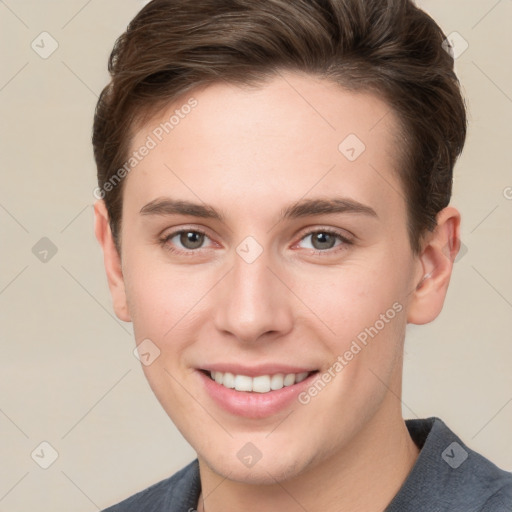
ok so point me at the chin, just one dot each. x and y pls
(263, 472)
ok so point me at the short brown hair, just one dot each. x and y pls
(389, 47)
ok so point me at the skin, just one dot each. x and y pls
(250, 152)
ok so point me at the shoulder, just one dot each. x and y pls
(501, 501)
(475, 478)
(451, 474)
(177, 491)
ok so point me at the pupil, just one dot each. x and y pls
(325, 240)
(191, 240)
(196, 239)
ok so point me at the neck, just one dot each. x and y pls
(364, 476)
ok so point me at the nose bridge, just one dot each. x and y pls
(253, 300)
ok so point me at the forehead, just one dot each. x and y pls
(292, 136)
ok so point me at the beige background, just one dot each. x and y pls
(67, 372)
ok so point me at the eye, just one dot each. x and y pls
(324, 240)
(189, 239)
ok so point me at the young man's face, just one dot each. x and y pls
(263, 293)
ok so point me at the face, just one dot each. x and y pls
(261, 241)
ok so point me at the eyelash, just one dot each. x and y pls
(164, 242)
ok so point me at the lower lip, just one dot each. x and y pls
(252, 404)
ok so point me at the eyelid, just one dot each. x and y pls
(346, 239)
(342, 233)
(167, 235)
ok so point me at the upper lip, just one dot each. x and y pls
(256, 370)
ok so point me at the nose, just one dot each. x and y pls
(253, 301)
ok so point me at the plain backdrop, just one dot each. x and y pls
(68, 376)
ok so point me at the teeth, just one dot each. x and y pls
(277, 381)
(260, 384)
(228, 380)
(289, 379)
(301, 376)
(242, 383)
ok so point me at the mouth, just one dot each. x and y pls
(256, 392)
(259, 383)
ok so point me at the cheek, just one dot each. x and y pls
(363, 306)
(352, 297)
(160, 299)
(343, 301)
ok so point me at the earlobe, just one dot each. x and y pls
(112, 261)
(435, 267)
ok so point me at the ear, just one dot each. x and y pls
(435, 265)
(112, 261)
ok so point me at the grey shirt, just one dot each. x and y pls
(447, 476)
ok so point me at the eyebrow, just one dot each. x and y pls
(299, 209)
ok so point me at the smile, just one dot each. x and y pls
(257, 384)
